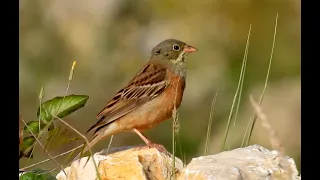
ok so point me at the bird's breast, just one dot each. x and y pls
(170, 99)
(174, 93)
(160, 108)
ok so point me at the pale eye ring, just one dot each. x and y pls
(176, 47)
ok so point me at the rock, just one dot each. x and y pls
(135, 163)
(252, 162)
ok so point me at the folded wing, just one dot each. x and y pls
(149, 83)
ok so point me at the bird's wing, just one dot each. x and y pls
(146, 85)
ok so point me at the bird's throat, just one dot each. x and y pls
(178, 65)
(182, 58)
(179, 69)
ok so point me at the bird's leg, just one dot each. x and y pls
(142, 136)
(149, 143)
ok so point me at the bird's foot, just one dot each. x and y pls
(159, 147)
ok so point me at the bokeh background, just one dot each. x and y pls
(112, 39)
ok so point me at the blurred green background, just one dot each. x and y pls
(112, 39)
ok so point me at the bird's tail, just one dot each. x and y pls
(100, 134)
(93, 142)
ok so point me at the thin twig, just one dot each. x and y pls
(59, 155)
(59, 165)
(54, 169)
(87, 142)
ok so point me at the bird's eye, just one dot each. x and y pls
(176, 47)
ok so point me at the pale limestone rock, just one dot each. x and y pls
(77, 170)
(252, 162)
(249, 163)
(135, 163)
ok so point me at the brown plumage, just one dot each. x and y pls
(149, 97)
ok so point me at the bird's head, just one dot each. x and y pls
(172, 50)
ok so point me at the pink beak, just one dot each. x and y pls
(189, 49)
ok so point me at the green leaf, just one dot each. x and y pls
(38, 174)
(34, 127)
(61, 106)
(26, 147)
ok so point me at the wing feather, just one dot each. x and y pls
(146, 85)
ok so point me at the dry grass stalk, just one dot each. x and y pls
(274, 140)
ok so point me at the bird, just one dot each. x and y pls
(149, 97)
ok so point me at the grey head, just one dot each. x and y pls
(172, 50)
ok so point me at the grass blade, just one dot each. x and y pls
(254, 119)
(245, 58)
(175, 131)
(44, 130)
(245, 134)
(65, 94)
(109, 145)
(69, 82)
(234, 100)
(40, 100)
(213, 104)
(180, 147)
